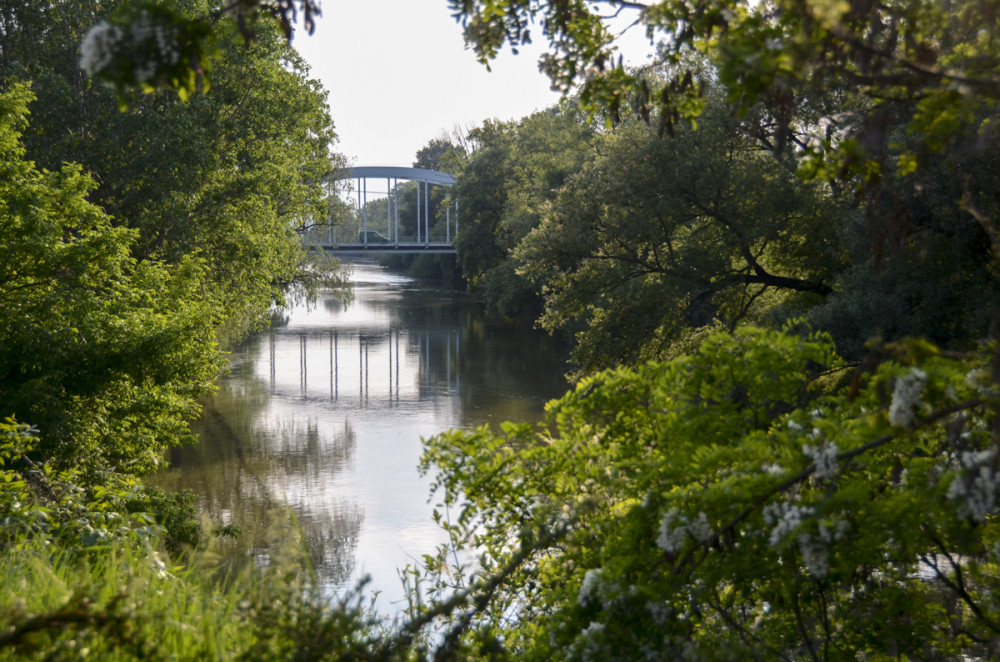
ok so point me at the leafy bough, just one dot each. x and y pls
(759, 499)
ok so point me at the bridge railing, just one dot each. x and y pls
(328, 237)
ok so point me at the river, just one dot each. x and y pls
(322, 417)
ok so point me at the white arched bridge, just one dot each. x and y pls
(381, 230)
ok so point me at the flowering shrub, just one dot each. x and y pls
(147, 46)
(758, 499)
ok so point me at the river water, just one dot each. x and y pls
(322, 416)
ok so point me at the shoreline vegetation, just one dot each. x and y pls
(774, 253)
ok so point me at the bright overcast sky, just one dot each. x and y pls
(398, 75)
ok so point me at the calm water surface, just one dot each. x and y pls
(325, 413)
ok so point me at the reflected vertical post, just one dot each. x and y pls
(302, 363)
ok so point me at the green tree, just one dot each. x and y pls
(754, 500)
(231, 175)
(505, 184)
(920, 259)
(105, 354)
(656, 237)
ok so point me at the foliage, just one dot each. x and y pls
(61, 509)
(126, 604)
(720, 506)
(656, 237)
(105, 354)
(929, 60)
(231, 175)
(504, 185)
(921, 261)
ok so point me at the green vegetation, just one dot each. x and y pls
(775, 257)
(757, 499)
(139, 244)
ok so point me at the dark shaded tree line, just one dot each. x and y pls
(642, 240)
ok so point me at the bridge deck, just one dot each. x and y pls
(374, 249)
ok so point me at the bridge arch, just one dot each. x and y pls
(369, 241)
(396, 172)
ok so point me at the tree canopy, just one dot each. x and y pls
(105, 353)
(655, 237)
(935, 58)
(514, 169)
(753, 500)
(145, 237)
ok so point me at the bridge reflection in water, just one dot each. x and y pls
(380, 349)
(323, 415)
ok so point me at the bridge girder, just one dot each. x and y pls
(423, 244)
(398, 172)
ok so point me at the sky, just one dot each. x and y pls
(398, 75)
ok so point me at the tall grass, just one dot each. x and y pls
(114, 604)
(125, 603)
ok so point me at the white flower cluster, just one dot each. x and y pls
(103, 39)
(785, 518)
(660, 612)
(587, 645)
(979, 379)
(166, 46)
(600, 587)
(95, 51)
(589, 587)
(675, 528)
(835, 128)
(773, 469)
(906, 398)
(815, 550)
(976, 489)
(824, 456)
